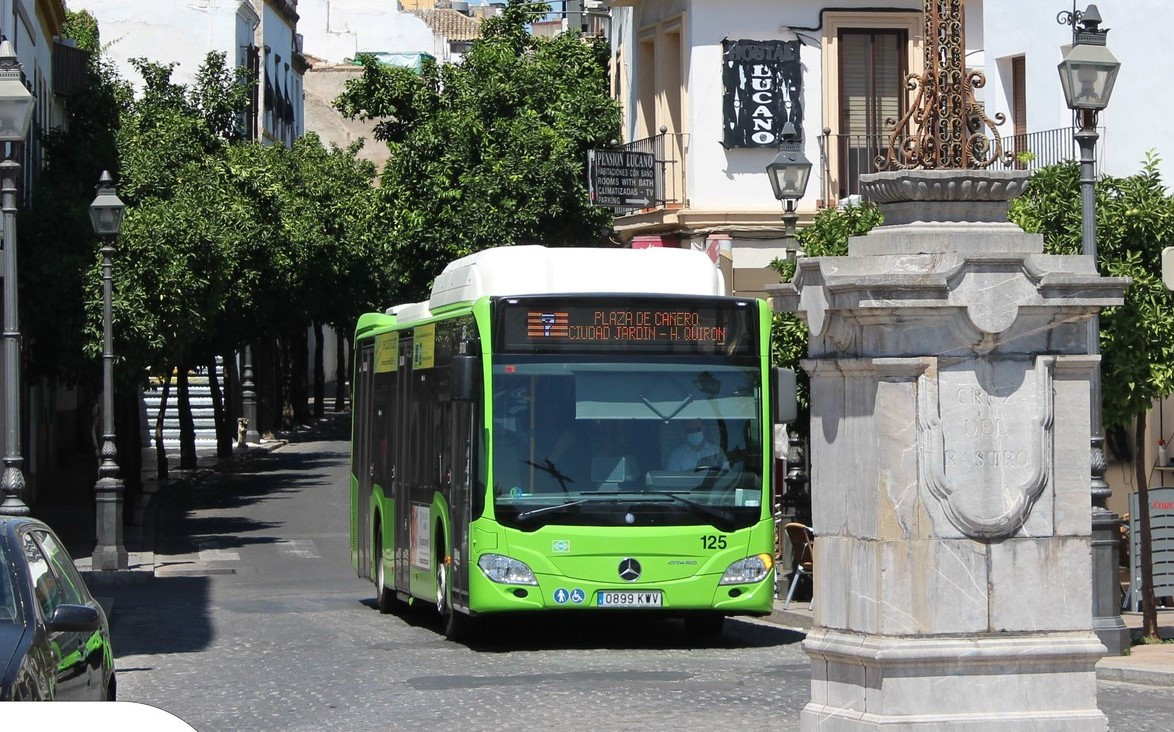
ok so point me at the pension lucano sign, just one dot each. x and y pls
(622, 179)
(762, 89)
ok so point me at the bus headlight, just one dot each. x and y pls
(748, 570)
(506, 570)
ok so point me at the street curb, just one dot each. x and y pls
(1142, 676)
(786, 618)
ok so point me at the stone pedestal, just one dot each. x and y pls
(950, 455)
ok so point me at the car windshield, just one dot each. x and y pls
(666, 442)
(8, 614)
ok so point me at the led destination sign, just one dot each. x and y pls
(680, 327)
(625, 325)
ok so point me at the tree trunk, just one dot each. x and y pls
(160, 449)
(219, 417)
(187, 425)
(340, 378)
(232, 395)
(319, 376)
(285, 385)
(299, 357)
(1149, 605)
(265, 379)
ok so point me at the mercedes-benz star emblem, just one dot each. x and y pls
(629, 570)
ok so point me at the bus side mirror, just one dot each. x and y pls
(786, 396)
(464, 377)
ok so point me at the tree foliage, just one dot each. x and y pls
(1135, 221)
(488, 152)
(57, 246)
(827, 236)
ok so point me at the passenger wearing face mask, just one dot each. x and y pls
(697, 453)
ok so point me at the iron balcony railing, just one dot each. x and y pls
(669, 150)
(844, 158)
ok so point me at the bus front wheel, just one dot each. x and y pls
(457, 625)
(385, 598)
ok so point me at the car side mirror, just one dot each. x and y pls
(786, 396)
(75, 619)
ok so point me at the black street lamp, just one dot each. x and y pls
(1087, 75)
(789, 172)
(16, 113)
(106, 215)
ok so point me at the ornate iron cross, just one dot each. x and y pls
(944, 127)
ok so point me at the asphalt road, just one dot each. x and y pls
(257, 622)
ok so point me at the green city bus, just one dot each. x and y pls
(526, 440)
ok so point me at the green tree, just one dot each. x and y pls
(58, 248)
(1135, 221)
(186, 226)
(491, 151)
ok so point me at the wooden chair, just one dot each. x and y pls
(802, 540)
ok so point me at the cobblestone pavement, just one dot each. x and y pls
(257, 622)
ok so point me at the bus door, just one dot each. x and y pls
(462, 460)
(363, 464)
(402, 465)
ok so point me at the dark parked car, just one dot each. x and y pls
(54, 638)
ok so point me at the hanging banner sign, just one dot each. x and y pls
(763, 86)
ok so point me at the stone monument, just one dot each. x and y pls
(950, 417)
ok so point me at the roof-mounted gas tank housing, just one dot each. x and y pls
(538, 270)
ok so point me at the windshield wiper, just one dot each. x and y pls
(546, 509)
(550, 469)
(722, 520)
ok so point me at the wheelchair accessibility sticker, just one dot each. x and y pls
(577, 596)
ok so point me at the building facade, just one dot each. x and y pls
(708, 87)
(256, 35)
(1023, 45)
(53, 71)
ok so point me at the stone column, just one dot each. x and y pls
(950, 383)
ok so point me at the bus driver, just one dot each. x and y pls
(697, 453)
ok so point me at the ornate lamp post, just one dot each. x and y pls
(789, 172)
(1087, 75)
(106, 215)
(16, 112)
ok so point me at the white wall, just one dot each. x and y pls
(736, 178)
(336, 30)
(164, 32)
(720, 178)
(277, 49)
(1140, 115)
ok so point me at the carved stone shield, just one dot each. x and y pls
(985, 440)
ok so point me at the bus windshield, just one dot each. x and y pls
(604, 443)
